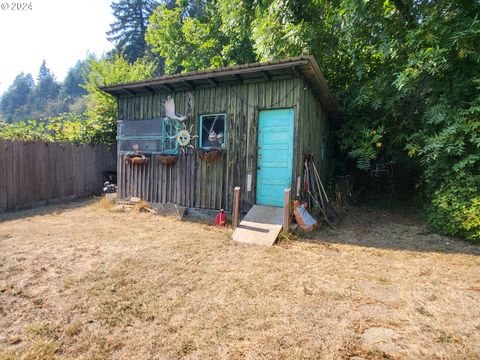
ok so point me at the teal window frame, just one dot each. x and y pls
(200, 138)
(163, 137)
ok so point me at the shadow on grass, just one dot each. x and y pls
(49, 208)
(395, 230)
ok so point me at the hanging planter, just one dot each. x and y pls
(209, 155)
(136, 159)
(167, 159)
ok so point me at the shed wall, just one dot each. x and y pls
(193, 182)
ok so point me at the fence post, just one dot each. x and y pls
(286, 209)
(236, 206)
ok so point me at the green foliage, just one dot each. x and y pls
(128, 30)
(415, 70)
(202, 39)
(98, 123)
(64, 128)
(455, 208)
(283, 28)
(46, 98)
(363, 145)
(14, 102)
(46, 89)
(102, 107)
(72, 88)
(406, 75)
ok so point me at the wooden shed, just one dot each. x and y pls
(248, 125)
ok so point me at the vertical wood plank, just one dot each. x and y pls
(286, 209)
(236, 207)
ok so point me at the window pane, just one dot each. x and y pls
(213, 131)
(140, 127)
(142, 146)
(148, 136)
(170, 137)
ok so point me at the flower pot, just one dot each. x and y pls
(209, 155)
(167, 159)
(136, 159)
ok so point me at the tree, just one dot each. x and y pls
(102, 107)
(192, 37)
(128, 31)
(14, 102)
(72, 86)
(406, 75)
(45, 92)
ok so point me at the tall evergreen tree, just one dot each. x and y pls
(45, 91)
(72, 85)
(47, 87)
(14, 102)
(128, 31)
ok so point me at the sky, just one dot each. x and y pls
(59, 31)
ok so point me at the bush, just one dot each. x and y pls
(455, 208)
(63, 128)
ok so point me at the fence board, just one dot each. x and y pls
(32, 173)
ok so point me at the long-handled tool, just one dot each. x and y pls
(315, 181)
(330, 210)
(315, 200)
(305, 182)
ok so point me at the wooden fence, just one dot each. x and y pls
(35, 173)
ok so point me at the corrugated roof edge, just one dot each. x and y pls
(324, 94)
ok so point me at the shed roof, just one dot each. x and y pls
(292, 67)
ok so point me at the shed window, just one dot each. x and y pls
(213, 131)
(170, 145)
(155, 136)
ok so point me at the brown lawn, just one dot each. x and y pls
(81, 281)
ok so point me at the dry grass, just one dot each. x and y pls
(80, 281)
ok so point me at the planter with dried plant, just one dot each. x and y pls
(209, 155)
(167, 159)
(136, 159)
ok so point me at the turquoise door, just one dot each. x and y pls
(275, 155)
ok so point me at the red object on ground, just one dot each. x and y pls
(221, 218)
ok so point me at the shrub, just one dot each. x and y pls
(455, 208)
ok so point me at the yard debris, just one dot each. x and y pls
(315, 195)
(121, 208)
(137, 204)
(303, 218)
(111, 197)
(109, 187)
(169, 209)
(143, 206)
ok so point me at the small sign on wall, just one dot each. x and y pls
(249, 182)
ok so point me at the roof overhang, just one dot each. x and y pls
(305, 66)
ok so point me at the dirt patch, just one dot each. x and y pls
(81, 281)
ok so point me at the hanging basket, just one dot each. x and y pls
(136, 159)
(167, 159)
(209, 155)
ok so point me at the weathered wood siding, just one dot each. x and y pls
(33, 173)
(193, 182)
(312, 132)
